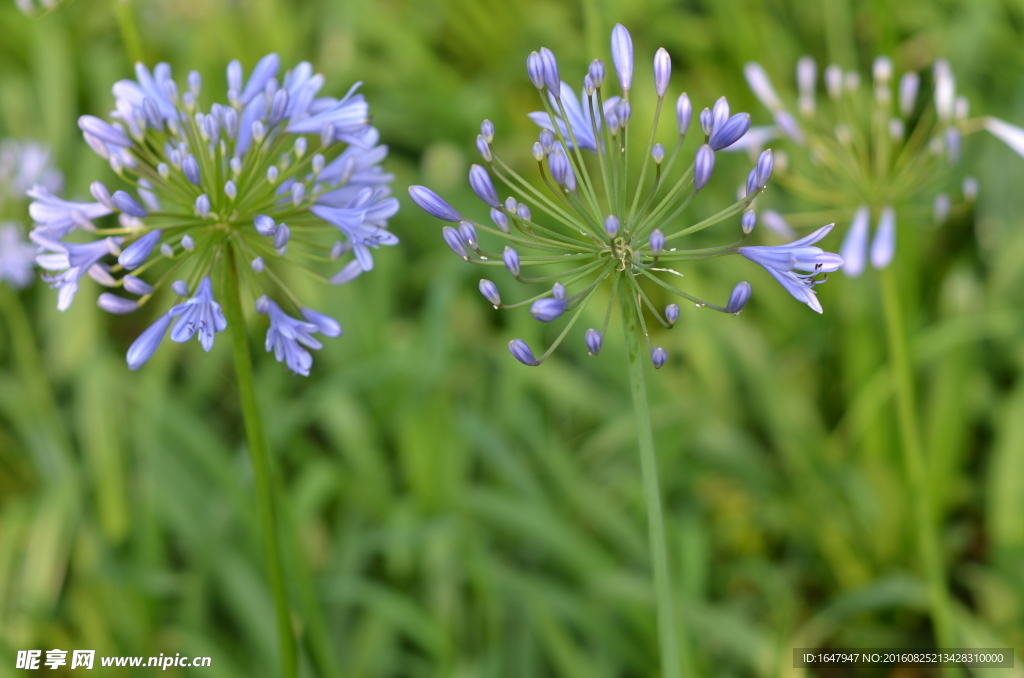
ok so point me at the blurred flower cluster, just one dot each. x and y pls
(867, 151)
(23, 164)
(226, 191)
(600, 226)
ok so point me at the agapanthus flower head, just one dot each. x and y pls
(595, 230)
(865, 152)
(274, 174)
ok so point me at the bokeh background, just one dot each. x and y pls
(449, 512)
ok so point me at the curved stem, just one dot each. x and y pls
(652, 494)
(913, 459)
(260, 457)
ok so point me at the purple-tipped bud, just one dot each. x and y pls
(546, 310)
(535, 69)
(730, 132)
(656, 241)
(235, 76)
(596, 73)
(500, 220)
(510, 204)
(327, 135)
(128, 204)
(719, 114)
(432, 204)
(703, 166)
(180, 287)
(748, 221)
(230, 190)
(480, 181)
(281, 236)
(187, 243)
(468, 233)
(658, 153)
(684, 112)
(594, 340)
(909, 85)
(561, 172)
(202, 206)
(558, 290)
(523, 211)
(455, 241)
(136, 253)
(521, 352)
(611, 225)
(707, 122)
(588, 86)
(278, 107)
(483, 148)
(152, 113)
(231, 123)
(547, 140)
(257, 265)
(658, 357)
(101, 129)
(623, 111)
(622, 56)
(751, 188)
(765, 164)
(136, 285)
(613, 122)
(143, 348)
(298, 193)
(487, 130)
(211, 125)
(662, 71)
(883, 246)
(190, 166)
(490, 292)
(102, 195)
(537, 151)
(739, 297)
(264, 225)
(551, 77)
(328, 326)
(511, 258)
(672, 313)
(195, 82)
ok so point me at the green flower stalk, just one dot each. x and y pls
(596, 227)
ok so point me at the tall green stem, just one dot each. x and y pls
(914, 461)
(129, 30)
(652, 494)
(260, 457)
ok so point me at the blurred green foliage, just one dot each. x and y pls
(449, 512)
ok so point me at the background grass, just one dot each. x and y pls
(450, 512)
